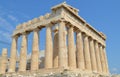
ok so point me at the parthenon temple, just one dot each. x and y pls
(71, 43)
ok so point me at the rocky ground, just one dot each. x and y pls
(54, 73)
(62, 74)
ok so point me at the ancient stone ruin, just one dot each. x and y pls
(86, 56)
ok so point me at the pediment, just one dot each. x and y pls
(66, 6)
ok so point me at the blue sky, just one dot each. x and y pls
(104, 15)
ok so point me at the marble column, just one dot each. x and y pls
(87, 53)
(93, 57)
(106, 62)
(80, 55)
(71, 49)
(102, 59)
(49, 48)
(62, 53)
(35, 51)
(13, 56)
(23, 53)
(65, 44)
(3, 62)
(55, 46)
(97, 50)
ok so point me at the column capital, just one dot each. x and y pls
(96, 41)
(91, 38)
(53, 22)
(49, 24)
(55, 28)
(36, 29)
(99, 44)
(103, 46)
(78, 31)
(62, 20)
(15, 36)
(84, 34)
(69, 25)
(25, 33)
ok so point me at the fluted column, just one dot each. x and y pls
(55, 50)
(106, 62)
(62, 58)
(3, 62)
(13, 55)
(102, 59)
(35, 51)
(71, 48)
(80, 55)
(97, 50)
(49, 48)
(87, 54)
(93, 57)
(23, 53)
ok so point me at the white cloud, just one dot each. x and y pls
(6, 35)
(4, 23)
(8, 21)
(13, 18)
(114, 70)
(4, 42)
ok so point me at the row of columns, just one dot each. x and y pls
(88, 55)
